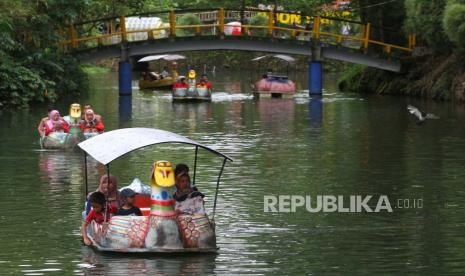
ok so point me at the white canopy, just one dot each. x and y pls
(283, 57)
(165, 57)
(110, 145)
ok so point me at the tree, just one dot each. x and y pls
(454, 22)
(425, 19)
(259, 20)
(187, 19)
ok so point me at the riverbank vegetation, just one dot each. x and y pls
(32, 69)
(435, 69)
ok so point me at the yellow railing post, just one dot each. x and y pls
(387, 49)
(414, 41)
(366, 39)
(221, 20)
(316, 27)
(73, 36)
(270, 23)
(150, 35)
(172, 24)
(122, 25)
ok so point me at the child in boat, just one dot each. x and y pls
(110, 190)
(101, 212)
(128, 208)
(90, 124)
(55, 123)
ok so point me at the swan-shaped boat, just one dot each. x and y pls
(62, 140)
(193, 92)
(161, 229)
(68, 140)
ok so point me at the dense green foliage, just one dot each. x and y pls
(436, 68)
(424, 18)
(454, 23)
(31, 68)
(259, 20)
(187, 19)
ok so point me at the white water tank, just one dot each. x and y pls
(142, 23)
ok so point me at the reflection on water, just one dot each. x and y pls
(339, 144)
(104, 264)
(125, 108)
(315, 108)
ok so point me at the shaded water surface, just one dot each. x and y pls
(344, 144)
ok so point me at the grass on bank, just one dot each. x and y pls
(94, 69)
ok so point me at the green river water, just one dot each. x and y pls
(356, 145)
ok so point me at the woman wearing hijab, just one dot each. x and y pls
(109, 187)
(55, 123)
(90, 124)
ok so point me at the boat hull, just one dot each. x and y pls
(191, 95)
(155, 234)
(165, 83)
(164, 251)
(274, 86)
(61, 140)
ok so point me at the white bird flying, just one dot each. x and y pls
(421, 116)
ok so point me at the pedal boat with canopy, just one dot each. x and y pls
(160, 229)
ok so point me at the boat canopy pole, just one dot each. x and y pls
(195, 163)
(85, 173)
(217, 187)
(106, 202)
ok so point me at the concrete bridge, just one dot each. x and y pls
(313, 36)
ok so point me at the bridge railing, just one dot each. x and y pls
(226, 22)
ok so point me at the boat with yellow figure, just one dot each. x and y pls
(163, 80)
(68, 140)
(191, 91)
(161, 229)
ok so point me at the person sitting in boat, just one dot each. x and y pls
(128, 208)
(154, 76)
(41, 126)
(181, 168)
(89, 106)
(101, 212)
(110, 185)
(55, 123)
(164, 73)
(90, 124)
(110, 190)
(204, 78)
(202, 84)
(188, 199)
(181, 83)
